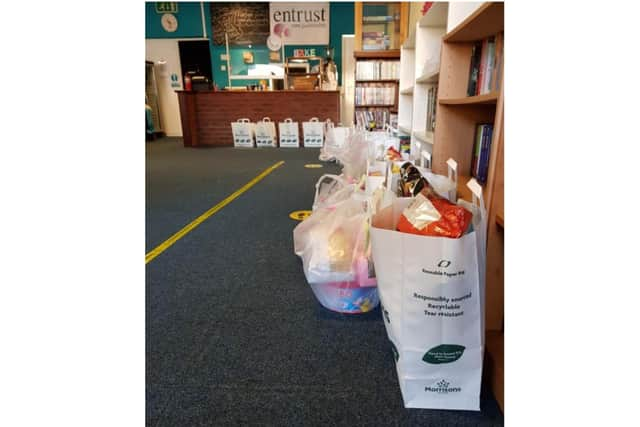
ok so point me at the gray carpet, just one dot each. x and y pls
(234, 335)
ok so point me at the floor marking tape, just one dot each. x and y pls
(196, 222)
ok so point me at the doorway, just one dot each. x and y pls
(195, 56)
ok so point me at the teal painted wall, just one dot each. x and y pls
(189, 22)
(341, 21)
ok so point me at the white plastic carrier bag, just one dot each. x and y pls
(289, 135)
(313, 133)
(334, 142)
(331, 189)
(243, 131)
(432, 300)
(266, 133)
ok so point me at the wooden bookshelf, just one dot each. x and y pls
(378, 81)
(374, 106)
(494, 341)
(385, 55)
(456, 120)
(487, 98)
(486, 21)
(377, 54)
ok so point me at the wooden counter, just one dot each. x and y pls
(206, 116)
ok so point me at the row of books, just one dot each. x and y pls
(377, 70)
(432, 100)
(376, 94)
(375, 118)
(375, 40)
(481, 150)
(485, 70)
(380, 18)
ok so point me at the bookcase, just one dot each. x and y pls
(376, 86)
(380, 25)
(455, 127)
(419, 75)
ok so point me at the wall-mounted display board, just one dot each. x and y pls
(245, 23)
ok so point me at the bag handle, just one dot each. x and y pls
(266, 119)
(314, 119)
(288, 120)
(452, 171)
(337, 178)
(426, 156)
(244, 120)
(476, 191)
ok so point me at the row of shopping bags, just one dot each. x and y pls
(397, 235)
(263, 133)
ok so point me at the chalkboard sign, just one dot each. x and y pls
(245, 23)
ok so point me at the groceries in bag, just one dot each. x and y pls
(432, 299)
(335, 249)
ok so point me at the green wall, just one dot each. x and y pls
(341, 21)
(189, 22)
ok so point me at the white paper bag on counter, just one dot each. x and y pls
(243, 131)
(266, 133)
(289, 136)
(313, 133)
(432, 301)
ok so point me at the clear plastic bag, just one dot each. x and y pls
(334, 142)
(330, 190)
(330, 241)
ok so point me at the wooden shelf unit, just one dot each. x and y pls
(377, 54)
(385, 55)
(487, 98)
(374, 106)
(359, 23)
(456, 120)
(378, 81)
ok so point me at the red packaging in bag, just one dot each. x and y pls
(420, 218)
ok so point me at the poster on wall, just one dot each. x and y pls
(299, 23)
(245, 23)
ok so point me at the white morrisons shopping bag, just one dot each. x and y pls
(313, 133)
(432, 299)
(288, 133)
(266, 133)
(242, 133)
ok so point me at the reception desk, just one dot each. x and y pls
(206, 116)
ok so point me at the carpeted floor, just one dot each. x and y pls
(234, 333)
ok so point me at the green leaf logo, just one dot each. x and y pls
(444, 353)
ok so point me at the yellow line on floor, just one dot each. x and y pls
(196, 222)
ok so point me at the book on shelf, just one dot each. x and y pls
(476, 53)
(378, 19)
(432, 100)
(377, 70)
(485, 66)
(375, 118)
(481, 152)
(497, 68)
(375, 94)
